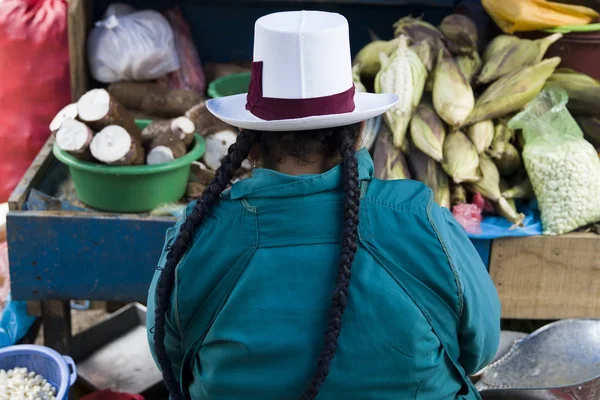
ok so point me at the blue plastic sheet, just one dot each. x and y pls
(15, 322)
(495, 227)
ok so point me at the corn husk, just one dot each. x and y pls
(460, 34)
(461, 161)
(403, 74)
(481, 134)
(583, 91)
(502, 137)
(356, 79)
(416, 29)
(513, 91)
(510, 161)
(430, 172)
(511, 202)
(458, 195)
(489, 187)
(498, 44)
(389, 161)
(522, 190)
(469, 65)
(427, 50)
(591, 128)
(452, 94)
(489, 184)
(427, 132)
(368, 59)
(519, 54)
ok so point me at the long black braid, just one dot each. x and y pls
(237, 153)
(348, 138)
(345, 139)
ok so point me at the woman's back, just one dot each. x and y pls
(252, 295)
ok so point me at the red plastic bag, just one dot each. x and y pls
(469, 216)
(34, 81)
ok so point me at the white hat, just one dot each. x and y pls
(301, 77)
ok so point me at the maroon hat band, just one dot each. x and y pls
(272, 109)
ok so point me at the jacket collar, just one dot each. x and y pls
(266, 183)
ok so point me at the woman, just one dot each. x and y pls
(244, 288)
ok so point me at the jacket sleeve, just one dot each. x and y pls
(479, 334)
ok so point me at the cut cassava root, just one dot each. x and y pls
(68, 113)
(206, 124)
(154, 99)
(98, 109)
(181, 128)
(165, 148)
(74, 137)
(114, 145)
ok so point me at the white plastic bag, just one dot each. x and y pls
(132, 47)
(118, 10)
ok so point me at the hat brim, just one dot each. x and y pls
(232, 110)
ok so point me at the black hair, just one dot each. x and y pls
(333, 142)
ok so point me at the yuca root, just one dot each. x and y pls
(154, 99)
(172, 104)
(113, 145)
(165, 148)
(75, 137)
(202, 174)
(217, 146)
(99, 110)
(194, 190)
(206, 124)
(181, 128)
(68, 113)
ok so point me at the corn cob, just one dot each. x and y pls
(498, 44)
(452, 95)
(389, 162)
(583, 91)
(482, 135)
(469, 65)
(461, 161)
(428, 132)
(489, 187)
(427, 50)
(428, 171)
(519, 54)
(513, 91)
(522, 190)
(510, 161)
(460, 34)
(368, 59)
(416, 29)
(403, 74)
(458, 194)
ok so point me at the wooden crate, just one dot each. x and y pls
(546, 277)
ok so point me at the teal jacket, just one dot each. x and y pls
(251, 296)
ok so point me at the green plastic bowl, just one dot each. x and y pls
(130, 189)
(229, 85)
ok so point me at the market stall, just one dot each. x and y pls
(85, 254)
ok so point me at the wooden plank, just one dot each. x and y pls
(33, 176)
(546, 277)
(79, 21)
(83, 256)
(56, 317)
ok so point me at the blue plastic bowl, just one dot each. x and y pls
(58, 370)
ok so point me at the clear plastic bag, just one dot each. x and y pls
(563, 167)
(133, 47)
